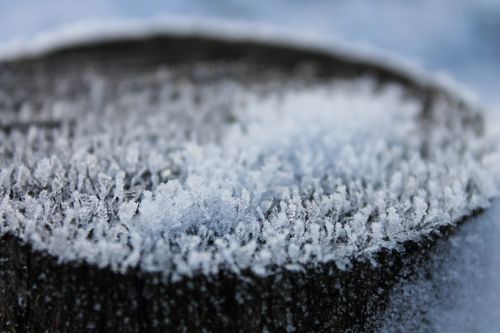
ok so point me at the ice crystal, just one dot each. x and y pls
(172, 176)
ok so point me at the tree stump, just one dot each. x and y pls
(39, 292)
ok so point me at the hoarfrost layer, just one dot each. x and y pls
(232, 176)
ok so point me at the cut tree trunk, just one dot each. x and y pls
(38, 293)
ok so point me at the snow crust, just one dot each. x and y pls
(457, 289)
(198, 178)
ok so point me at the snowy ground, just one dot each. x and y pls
(462, 293)
(459, 37)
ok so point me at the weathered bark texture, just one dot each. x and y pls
(37, 294)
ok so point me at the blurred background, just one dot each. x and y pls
(458, 37)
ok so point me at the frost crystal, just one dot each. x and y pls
(189, 177)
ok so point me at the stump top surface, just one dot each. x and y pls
(192, 154)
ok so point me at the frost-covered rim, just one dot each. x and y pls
(99, 31)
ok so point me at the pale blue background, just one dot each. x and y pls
(458, 36)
